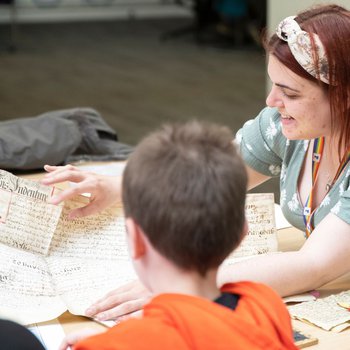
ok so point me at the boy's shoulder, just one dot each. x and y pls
(260, 319)
(260, 304)
(255, 300)
(179, 321)
(251, 290)
(257, 296)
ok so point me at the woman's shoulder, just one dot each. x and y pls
(266, 125)
(269, 115)
(262, 143)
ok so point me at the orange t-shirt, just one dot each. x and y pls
(179, 321)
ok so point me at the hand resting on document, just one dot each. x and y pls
(125, 301)
(104, 190)
(121, 303)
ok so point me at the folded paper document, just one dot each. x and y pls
(328, 313)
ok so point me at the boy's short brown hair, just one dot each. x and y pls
(185, 186)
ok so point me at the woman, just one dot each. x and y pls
(303, 136)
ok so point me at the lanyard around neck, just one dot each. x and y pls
(316, 161)
(308, 213)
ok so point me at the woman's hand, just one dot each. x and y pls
(72, 338)
(104, 190)
(121, 303)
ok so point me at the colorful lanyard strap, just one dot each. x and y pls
(316, 160)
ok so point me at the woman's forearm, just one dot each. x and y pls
(323, 258)
(287, 273)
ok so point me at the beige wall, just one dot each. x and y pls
(279, 9)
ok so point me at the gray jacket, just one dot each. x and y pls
(58, 137)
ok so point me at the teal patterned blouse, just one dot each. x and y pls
(265, 149)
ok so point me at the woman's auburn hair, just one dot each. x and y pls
(332, 24)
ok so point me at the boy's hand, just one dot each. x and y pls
(121, 303)
(104, 190)
(73, 338)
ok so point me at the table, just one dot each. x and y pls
(289, 239)
(292, 239)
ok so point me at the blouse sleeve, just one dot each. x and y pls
(261, 142)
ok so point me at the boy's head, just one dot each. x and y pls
(185, 187)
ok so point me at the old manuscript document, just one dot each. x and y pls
(49, 264)
(262, 235)
(330, 313)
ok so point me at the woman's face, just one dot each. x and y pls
(303, 105)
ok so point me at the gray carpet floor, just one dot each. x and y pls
(133, 78)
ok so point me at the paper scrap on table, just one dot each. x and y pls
(110, 169)
(281, 221)
(325, 313)
(299, 298)
(50, 334)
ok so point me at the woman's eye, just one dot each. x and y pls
(288, 95)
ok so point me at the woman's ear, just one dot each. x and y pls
(136, 240)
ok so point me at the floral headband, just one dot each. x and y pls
(302, 49)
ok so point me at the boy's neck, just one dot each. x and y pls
(179, 281)
(161, 275)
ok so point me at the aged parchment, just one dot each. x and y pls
(325, 313)
(49, 264)
(262, 235)
(27, 221)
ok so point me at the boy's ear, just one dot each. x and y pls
(135, 238)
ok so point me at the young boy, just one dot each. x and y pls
(184, 193)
